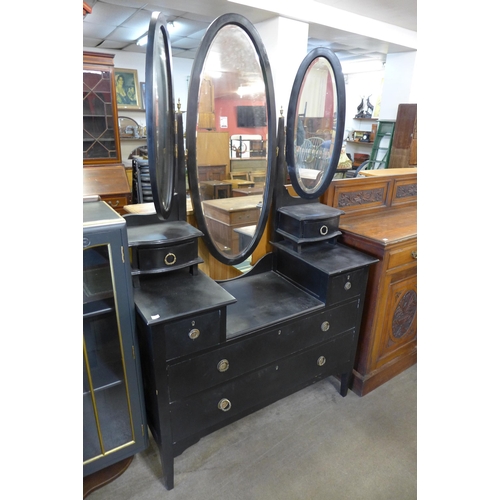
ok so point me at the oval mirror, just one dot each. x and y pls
(230, 137)
(315, 123)
(160, 115)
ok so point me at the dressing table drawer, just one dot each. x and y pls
(189, 335)
(235, 358)
(257, 388)
(346, 286)
(167, 257)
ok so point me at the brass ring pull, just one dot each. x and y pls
(347, 286)
(224, 404)
(170, 259)
(321, 361)
(194, 333)
(414, 254)
(323, 230)
(223, 365)
(325, 326)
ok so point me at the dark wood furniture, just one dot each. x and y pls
(101, 138)
(381, 220)
(114, 417)
(110, 183)
(404, 143)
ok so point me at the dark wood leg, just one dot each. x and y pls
(167, 465)
(344, 384)
(104, 476)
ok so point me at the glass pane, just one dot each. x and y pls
(107, 419)
(98, 125)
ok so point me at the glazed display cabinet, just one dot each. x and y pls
(114, 423)
(101, 141)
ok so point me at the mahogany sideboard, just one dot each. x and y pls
(381, 220)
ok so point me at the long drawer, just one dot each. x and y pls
(237, 357)
(252, 390)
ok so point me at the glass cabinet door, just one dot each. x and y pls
(107, 416)
(100, 135)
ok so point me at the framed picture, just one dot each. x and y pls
(128, 94)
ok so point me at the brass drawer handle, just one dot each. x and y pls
(325, 326)
(347, 286)
(224, 404)
(414, 254)
(223, 365)
(321, 361)
(194, 333)
(114, 204)
(170, 259)
(323, 230)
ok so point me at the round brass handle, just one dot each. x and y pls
(194, 333)
(224, 404)
(170, 259)
(347, 286)
(321, 361)
(223, 365)
(325, 326)
(323, 230)
(414, 254)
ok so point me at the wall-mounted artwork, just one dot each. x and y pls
(128, 94)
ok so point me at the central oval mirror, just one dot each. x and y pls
(230, 137)
(315, 123)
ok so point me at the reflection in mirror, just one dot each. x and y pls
(315, 131)
(232, 142)
(318, 123)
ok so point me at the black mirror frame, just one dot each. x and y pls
(191, 125)
(160, 117)
(291, 121)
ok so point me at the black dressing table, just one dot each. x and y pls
(213, 352)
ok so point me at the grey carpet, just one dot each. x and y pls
(311, 445)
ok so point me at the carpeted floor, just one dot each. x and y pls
(312, 445)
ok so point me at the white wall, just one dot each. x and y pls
(399, 83)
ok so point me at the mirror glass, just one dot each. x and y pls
(315, 123)
(228, 141)
(160, 115)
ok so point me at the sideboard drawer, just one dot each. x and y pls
(402, 256)
(243, 394)
(237, 357)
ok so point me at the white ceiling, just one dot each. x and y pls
(118, 24)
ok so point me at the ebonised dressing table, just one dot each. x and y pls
(215, 351)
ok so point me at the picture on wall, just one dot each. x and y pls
(128, 94)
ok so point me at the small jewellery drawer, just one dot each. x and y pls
(248, 392)
(189, 335)
(402, 256)
(234, 358)
(309, 221)
(346, 285)
(168, 256)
